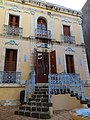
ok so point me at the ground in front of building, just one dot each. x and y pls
(7, 113)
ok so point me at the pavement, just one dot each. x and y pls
(7, 113)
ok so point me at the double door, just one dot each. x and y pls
(44, 63)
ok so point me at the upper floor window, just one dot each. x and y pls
(66, 36)
(41, 31)
(14, 20)
(41, 24)
(66, 30)
(12, 25)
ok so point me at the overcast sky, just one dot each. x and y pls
(73, 4)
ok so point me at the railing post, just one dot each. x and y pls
(1, 76)
(29, 86)
(49, 85)
(25, 100)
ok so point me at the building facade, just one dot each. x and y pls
(86, 28)
(41, 37)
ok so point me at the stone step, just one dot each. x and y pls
(34, 103)
(39, 96)
(39, 99)
(41, 115)
(26, 108)
(44, 100)
(41, 87)
(83, 101)
(88, 104)
(79, 97)
(31, 99)
(20, 112)
(34, 114)
(37, 106)
(34, 108)
(41, 92)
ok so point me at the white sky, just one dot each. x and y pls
(73, 4)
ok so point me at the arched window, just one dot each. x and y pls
(41, 31)
(41, 24)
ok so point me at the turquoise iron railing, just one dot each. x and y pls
(12, 30)
(65, 83)
(10, 77)
(29, 86)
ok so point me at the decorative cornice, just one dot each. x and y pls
(32, 11)
(50, 6)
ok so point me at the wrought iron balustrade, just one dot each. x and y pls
(12, 30)
(68, 39)
(65, 82)
(10, 77)
(29, 86)
(46, 34)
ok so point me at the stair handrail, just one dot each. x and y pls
(78, 85)
(65, 81)
(29, 86)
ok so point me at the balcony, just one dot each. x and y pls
(43, 34)
(10, 77)
(68, 39)
(12, 30)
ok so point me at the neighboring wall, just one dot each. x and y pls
(86, 28)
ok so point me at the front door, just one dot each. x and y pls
(41, 65)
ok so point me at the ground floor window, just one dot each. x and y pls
(70, 64)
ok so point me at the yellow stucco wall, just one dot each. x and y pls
(26, 24)
(2, 13)
(65, 102)
(10, 93)
(25, 66)
(57, 29)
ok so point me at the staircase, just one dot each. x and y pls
(37, 106)
(65, 83)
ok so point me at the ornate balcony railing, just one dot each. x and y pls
(29, 86)
(68, 39)
(10, 77)
(12, 30)
(45, 34)
(65, 83)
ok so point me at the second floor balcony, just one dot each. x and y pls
(43, 34)
(68, 39)
(12, 30)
